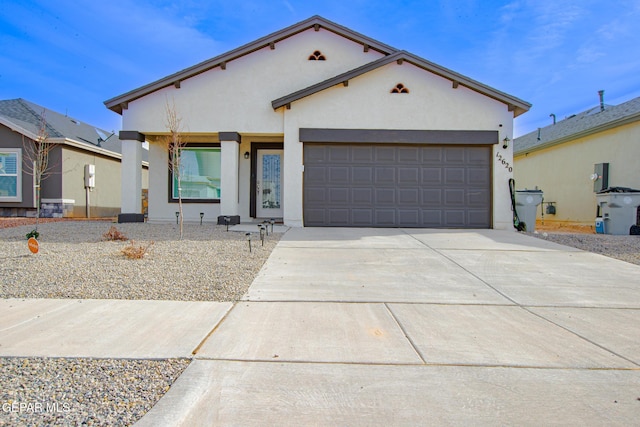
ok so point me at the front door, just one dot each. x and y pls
(269, 184)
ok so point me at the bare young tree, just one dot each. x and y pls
(36, 159)
(175, 142)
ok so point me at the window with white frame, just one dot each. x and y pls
(199, 174)
(10, 175)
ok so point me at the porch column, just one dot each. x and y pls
(229, 171)
(131, 176)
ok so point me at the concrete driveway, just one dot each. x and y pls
(420, 327)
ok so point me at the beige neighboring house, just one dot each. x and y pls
(571, 159)
(77, 144)
(318, 125)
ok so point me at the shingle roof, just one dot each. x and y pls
(27, 115)
(119, 103)
(579, 125)
(514, 104)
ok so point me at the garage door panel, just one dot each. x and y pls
(362, 196)
(478, 156)
(432, 218)
(432, 197)
(432, 175)
(476, 218)
(479, 177)
(408, 175)
(454, 218)
(477, 198)
(385, 196)
(454, 176)
(339, 217)
(339, 174)
(385, 217)
(362, 175)
(385, 176)
(385, 154)
(455, 155)
(339, 154)
(316, 195)
(454, 197)
(409, 217)
(408, 196)
(409, 155)
(432, 155)
(362, 154)
(338, 196)
(387, 185)
(362, 217)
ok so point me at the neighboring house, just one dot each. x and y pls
(564, 158)
(63, 192)
(318, 125)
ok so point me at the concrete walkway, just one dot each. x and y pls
(384, 327)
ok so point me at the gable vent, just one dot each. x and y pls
(399, 88)
(317, 56)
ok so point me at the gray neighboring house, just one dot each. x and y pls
(567, 159)
(77, 144)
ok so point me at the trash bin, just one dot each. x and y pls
(618, 207)
(527, 202)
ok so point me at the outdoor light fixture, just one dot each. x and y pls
(273, 221)
(249, 240)
(226, 221)
(177, 216)
(266, 226)
(246, 154)
(505, 142)
(201, 216)
(262, 231)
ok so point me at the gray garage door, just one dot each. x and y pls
(384, 185)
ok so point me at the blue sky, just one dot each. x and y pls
(72, 55)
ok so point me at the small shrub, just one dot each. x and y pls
(136, 252)
(114, 234)
(33, 233)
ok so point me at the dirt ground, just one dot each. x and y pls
(551, 227)
(6, 222)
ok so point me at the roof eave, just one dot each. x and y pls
(581, 134)
(514, 104)
(118, 103)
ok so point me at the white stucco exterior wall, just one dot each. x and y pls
(238, 99)
(366, 103)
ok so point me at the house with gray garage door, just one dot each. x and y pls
(319, 125)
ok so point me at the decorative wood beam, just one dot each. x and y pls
(316, 27)
(455, 84)
(366, 48)
(345, 83)
(400, 61)
(124, 105)
(272, 46)
(223, 65)
(177, 84)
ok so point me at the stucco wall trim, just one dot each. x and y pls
(379, 136)
(131, 135)
(230, 136)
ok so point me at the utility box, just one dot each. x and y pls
(527, 202)
(89, 176)
(618, 207)
(600, 177)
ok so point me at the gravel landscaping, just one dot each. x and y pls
(74, 261)
(625, 248)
